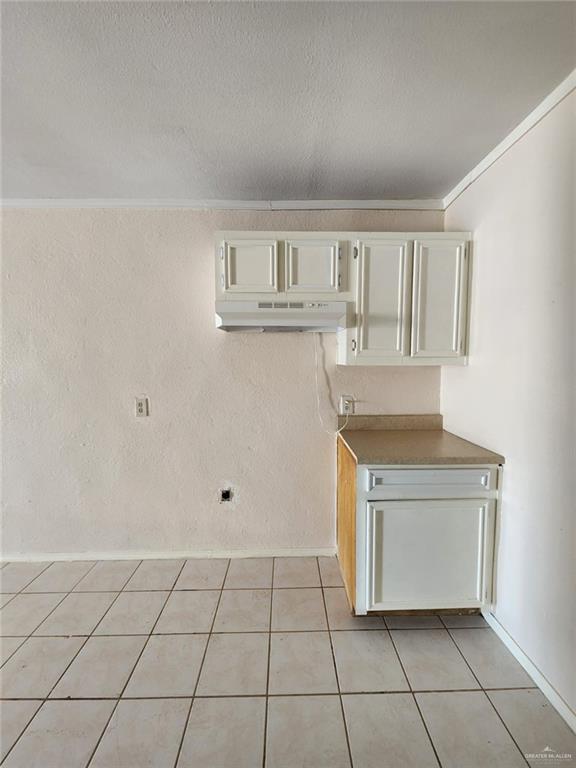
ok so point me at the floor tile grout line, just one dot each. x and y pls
(175, 589)
(187, 720)
(386, 692)
(268, 667)
(487, 697)
(7, 659)
(119, 699)
(336, 671)
(412, 693)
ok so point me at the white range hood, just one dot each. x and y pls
(281, 316)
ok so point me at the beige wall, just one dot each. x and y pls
(103, 305)
(517, 396)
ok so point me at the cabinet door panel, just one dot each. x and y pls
(439, 298)
(383, 298)
(250, 266)
(312, 266)
(429, 554)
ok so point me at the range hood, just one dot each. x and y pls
(281, 316)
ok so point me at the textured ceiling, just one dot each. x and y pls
(268, 101)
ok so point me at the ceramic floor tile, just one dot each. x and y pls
(155, 574)
(133, 613)
(23, 614)
(77, 614)
(340, 615)
(431, 660)
(14, 718)
(36, 666)
(301, 662)
(249, 573)
(107, 576)
(63, 734)
(296, 572)
(330, 572)
(143, 734)
(413, 622)
(235, 664)
(224, 732)
(244, 610)
(169, 666)
(466, 731)
(6, 597)
(536, 727)
(306, 731)
(455, 621)
(188, 612)
(60, 577)
(202, 574)
(491, 661)
(367, 661)
(101, 669)
(16, 576)
(7, 647)
(386, 731)
(298, 609)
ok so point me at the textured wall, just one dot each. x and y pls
(517, 394)
(103, 305)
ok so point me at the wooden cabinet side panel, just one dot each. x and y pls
(346, 521)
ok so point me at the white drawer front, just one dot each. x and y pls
(432, 483)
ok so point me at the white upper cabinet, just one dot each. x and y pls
(383, 306)
(313, 266)
(439, 298)
(249, 266)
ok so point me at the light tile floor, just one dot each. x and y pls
(251, 663)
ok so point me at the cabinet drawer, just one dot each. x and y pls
(430, 483)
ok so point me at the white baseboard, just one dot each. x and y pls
(561, 706)
(146, 554)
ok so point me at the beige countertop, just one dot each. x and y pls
(413, 446)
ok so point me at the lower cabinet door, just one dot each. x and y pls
(429, 554)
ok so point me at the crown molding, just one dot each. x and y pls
(547, 105)
(230, 205)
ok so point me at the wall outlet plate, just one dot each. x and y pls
(142, 406)
(346, 405)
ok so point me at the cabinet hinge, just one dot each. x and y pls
(355, 252)
(353, 345)
(339, 253)
(221, 253)
(222, 280)
(339, 281)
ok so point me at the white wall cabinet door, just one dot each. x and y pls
(249, 266)
(383, 306)
(439, 298)
(429, 554)
(313, 266)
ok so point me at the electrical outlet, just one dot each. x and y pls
(142, 406)
(346, 405)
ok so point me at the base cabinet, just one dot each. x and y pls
(428, 553)
(416, 537)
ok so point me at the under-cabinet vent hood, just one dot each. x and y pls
(278, 316)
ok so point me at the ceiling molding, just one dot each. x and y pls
(547, 105)
(232, 205)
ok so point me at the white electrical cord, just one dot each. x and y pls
(318, 410)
